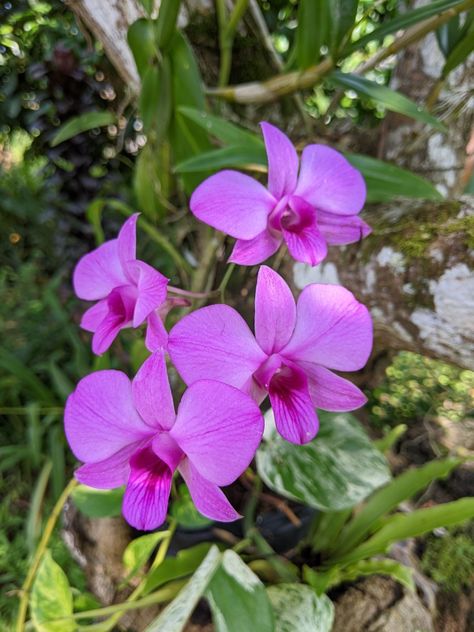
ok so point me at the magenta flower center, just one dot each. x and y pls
(292, 214)
(121, 302)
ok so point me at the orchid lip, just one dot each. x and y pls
(265, 372)
(292, 213)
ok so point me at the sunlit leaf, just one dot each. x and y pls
(82, 123)
(298, 608)
(139, 550)
(98, 503)
(393, 101)
(335, 471)
(51, 598)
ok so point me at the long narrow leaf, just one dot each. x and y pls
(393, 101)
(82, 123)
(312, 31)
(232, 156)
(228, 133)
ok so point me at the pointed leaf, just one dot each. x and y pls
(185, 563)
(298, 608)
(312, 31)
(220, 128)
(166, 22)
(232, 156)
(139, 550)
(82, 123)
(98, 503)
(338, 469)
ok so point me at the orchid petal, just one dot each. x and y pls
(208, 498)
(109, 473)
(214, 343)
(332, 329)
(93, 316)
(330, 391)
(100, 418)
(127, 240)
(306, 245)
(106, 332)
(250, 252)
(99, 272)
(219, 429)
(282, 161)
(329, 182)
(295, 417)
(145, 503)
(151, 287)
(275, 311)
(156, 335)
(234, 203)
(342, 229)
(152, 393)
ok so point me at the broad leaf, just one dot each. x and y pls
(51, 598)
(389, 497)
(298, 608)
(232, 156)
(141, 39)
(139, 550)
(166, 22)
(337, 470)
(402, 526)
(385, 181)
(174, 616)
(393, 101)
(402, 21)
(98, 503)
(237, 598)
(184, 511)
(82, 123)
(312, 31)
(185, 563)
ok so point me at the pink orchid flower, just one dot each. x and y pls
(292, 357)
(307, 211)
(128, 291)
(128, 433)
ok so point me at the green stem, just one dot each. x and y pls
(43, 543)
(225, 281)
(227, 30)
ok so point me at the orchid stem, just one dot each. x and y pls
(43, 543)
(180, 292)
(225, 281)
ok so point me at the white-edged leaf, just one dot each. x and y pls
(298, 608)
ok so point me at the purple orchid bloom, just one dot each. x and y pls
(307, 211)
(291, 358)
(128, 433)
(128, 291)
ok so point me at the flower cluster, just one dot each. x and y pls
(128, 433)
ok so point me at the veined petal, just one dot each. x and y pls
(342, 229)
(209, 499)
(282, 161)
(330, 391)
(250, 252)
(100, 418)
(99, 272)
(219, 429)
(106, 332)
(152, 393)
(145, 503)
(214, 343)
(329, 182)
(92, 317)
(156, 335)
(295, 417)
(306, 245)
(151, 286)
(234, 203)
(127, 241)
(332, 329)
(111, 472)
(275, 311)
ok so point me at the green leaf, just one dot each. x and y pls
(403, 526)
(98, 503)
(232, 156)
(51, 598)
(386, 443)
(401, 573)
(33, 522)
(342, 19)
(237, 598)
(174, 616)
(166, 22)
(228, 133)
(299, 609)
(460, 52)
(312, 31)
(82, 123)
(148, 5)
(402, 21)
(184, 511)
(10, 364)
(385, 181)
(335, 471)
(149, 95)
(141, 39)
(94, 217)
(448, 35)
(147, 184)
(185, 563)
(139, 550)
(393, 101)
(389, 497)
